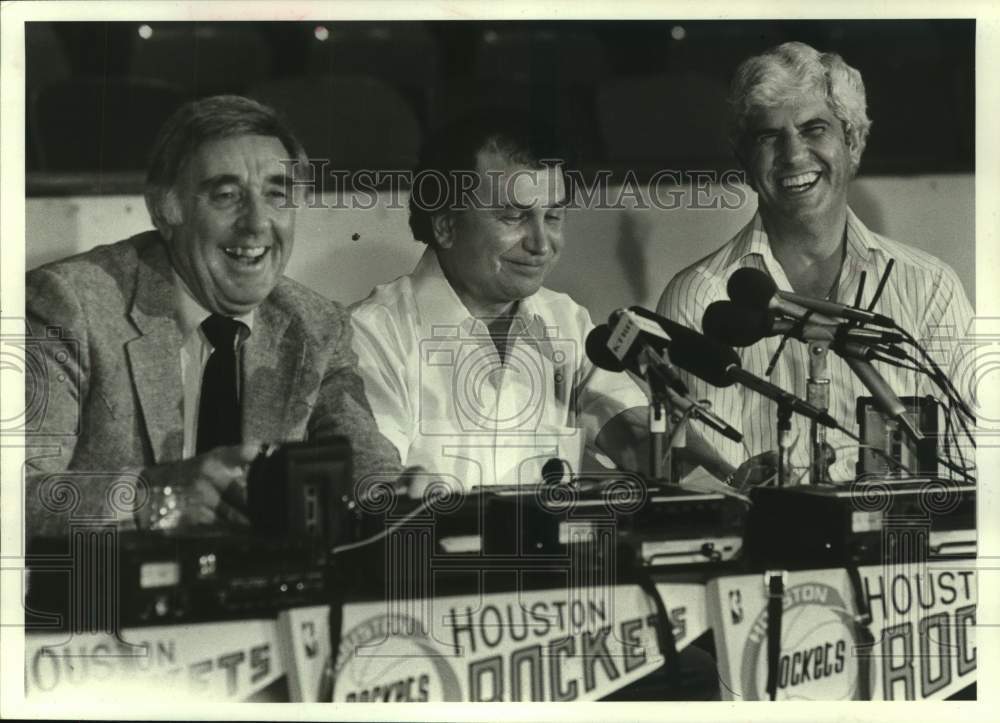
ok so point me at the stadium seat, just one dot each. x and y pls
(99, 124)
(46, 59)
(402, 54)
(46, 62)
(558, 57)
(570, 110)
(202, 58)
(664, 119)
(550, 72)
(355, 121)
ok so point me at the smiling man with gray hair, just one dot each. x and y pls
(799, 126)
(175, 353)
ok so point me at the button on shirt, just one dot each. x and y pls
(195, 351)
(923, 295)
(440, 393)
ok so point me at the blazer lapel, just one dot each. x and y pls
(272, 361)
(154, 359)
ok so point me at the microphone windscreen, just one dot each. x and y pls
(671, 327)
(598, 352)
(555, 471)
(706, 358)
(751, 287)
(734, 325)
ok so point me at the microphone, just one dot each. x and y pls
(598, 351)
(659, 326)
(684, 403)
(678, 337)
(665, 331)
(740, 326)
(758, 290)
(719, 365)
(555, 471)
(631, 334)
(627, 328)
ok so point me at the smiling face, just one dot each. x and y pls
(227, 235)
(799, 159)
(501, 250)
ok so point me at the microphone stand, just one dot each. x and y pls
(784, 443)
(657, 424)
(818, 394)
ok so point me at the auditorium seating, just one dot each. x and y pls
(355, 121)
(203, 58)
(554, 72)
(562, 56)
(403, 55)
(551, 73)
(45, 56)
(634, 95)
(664, 119)
(46, 62)
(100, 124)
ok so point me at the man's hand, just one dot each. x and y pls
(419, 483)
(203, 490)
(757, 470)
(625, 439)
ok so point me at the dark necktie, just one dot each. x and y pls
(218, 408)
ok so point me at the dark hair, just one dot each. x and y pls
(220, 116)
(452, 150)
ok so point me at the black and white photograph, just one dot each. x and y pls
(635, 356)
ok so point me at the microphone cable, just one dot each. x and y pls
(955, 407)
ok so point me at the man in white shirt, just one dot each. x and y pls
(799, 129)
(473, 369)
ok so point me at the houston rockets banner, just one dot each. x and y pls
(226, 661)
(575, 644)
(919, 644)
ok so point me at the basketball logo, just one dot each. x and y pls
(388, 658)
(821, 650)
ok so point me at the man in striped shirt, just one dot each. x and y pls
(799, 127)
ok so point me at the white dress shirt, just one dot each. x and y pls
(195, 351)
(923, 295)
(440, 393)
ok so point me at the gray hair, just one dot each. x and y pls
(794, 69)
(206, 119)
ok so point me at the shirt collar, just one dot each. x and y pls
(752, 240)
(861, 243)
(439, 305)
(190, 314)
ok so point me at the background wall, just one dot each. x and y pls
(612, 258)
